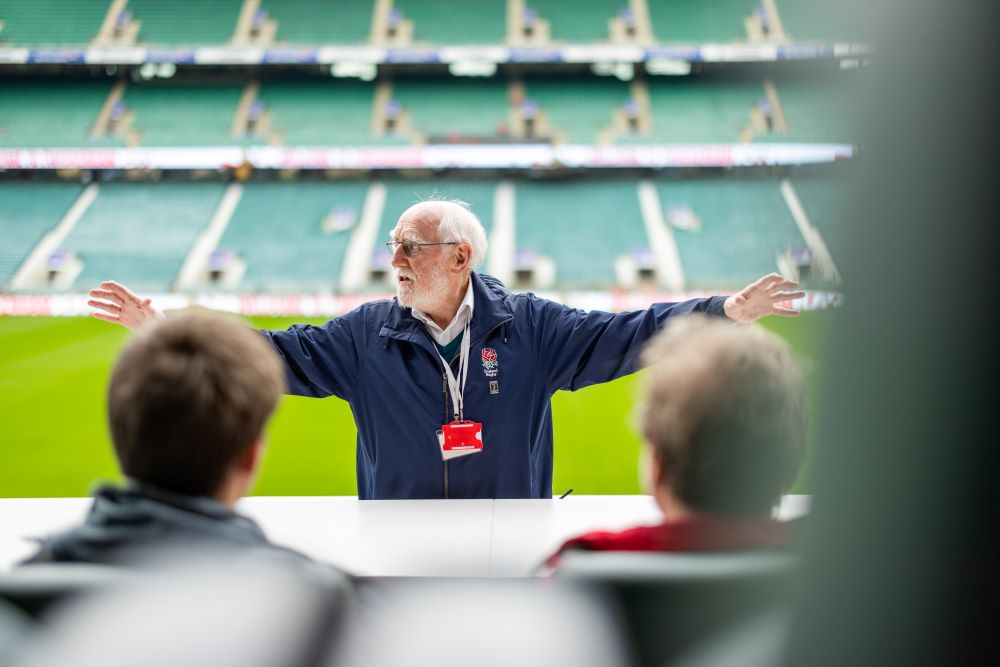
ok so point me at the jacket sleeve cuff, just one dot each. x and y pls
(716, 306)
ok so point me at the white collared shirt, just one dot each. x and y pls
(457, 325)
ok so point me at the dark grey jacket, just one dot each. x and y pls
(138, 521)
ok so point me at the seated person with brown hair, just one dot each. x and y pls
(188, 401)
(723, 421)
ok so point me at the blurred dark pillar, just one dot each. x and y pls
(902, 560)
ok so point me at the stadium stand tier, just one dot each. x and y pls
(440, 106)
(819, 109)
(183, 115)
(201, 22)
(310, 112)
(826, 201)
(578, 21)
(321, 21)
(139, 234)
(281, 231)
(744, 225)
(50, 22)
(43, 113)
(582, 225)
(577, 108)
(699, 21)
(466, 22)
(27, 212)
(688, 110)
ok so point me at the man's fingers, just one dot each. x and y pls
(787, 296)
(107, 295)
(106, 317)
(785, 312)
(105, 306)
(120, 290)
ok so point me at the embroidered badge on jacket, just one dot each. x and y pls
(490, 362)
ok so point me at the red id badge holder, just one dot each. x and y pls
(460, 438)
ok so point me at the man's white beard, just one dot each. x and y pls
(424, 294)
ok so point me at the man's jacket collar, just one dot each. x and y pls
(490, 312)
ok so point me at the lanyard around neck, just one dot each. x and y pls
(458, 390)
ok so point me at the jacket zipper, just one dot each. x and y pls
(444, 391)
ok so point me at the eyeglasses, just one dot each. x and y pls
(412, 249)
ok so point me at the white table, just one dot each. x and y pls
(392, 537)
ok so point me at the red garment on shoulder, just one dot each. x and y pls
(692, 533)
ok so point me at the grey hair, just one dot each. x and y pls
(456, 222)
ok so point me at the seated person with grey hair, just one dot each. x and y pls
(724, 426)
(188, 401)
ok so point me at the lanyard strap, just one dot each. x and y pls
(457, 390)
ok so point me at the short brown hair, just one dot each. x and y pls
(724, 414)
(188, 396)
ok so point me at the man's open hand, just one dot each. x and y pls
(762, 298)
(117, 303)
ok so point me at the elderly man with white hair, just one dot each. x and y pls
(450, 382)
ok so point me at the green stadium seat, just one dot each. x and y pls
(821, 22)
(140, 234)
(827, 201)
(582, 225)
(577, 107)
(466, 22)
(27, 212)
(692, 110)
(442, 106)
(51, 22)
(277, 229)
(325, 112)
(700, 21)
(201, 22)
(321, 21)
(183, 115)
(819, 110)
(745, 225)
(578, 21)
(38, 113)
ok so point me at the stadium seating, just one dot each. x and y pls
(583, 225)
(821, 22)
(826, 200)
(325, 112)
(278, 230)
(40, 113)
(27, 212)
(695, 110)
(320, 21)
(183, 115)
(202, 22)
(51, 22)
(466, 22)
(819, 109)
(442, 106)
(579, 21)
(672, 601)
(699, 21)
(577, 108)
(140, 233)
(745, 225)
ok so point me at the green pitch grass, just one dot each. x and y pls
(53, 374)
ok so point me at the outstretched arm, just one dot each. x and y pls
(120, 305)
(761, 298)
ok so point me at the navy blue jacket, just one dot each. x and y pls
(382, 361)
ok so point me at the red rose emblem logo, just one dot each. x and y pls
(489, 354)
